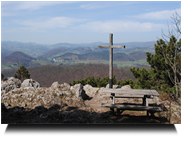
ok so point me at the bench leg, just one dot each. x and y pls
(147, 113)
(112, 110)
(113, 98)
(145, 101)
(118, 111)
(151, 114)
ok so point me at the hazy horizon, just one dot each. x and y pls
(79, 43)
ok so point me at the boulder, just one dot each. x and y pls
(100, 91)
(30, 83)
(126, 87)
(114, 86)
(65, 87)
(78, 90)
(9, 84)
(89, 90)
(55, 85)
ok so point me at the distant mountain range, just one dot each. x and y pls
(36, 50)
(32, 54)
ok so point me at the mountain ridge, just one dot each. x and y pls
(17, 56)
(35, 50)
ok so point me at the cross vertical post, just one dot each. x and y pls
(111, 46)
(111, 62)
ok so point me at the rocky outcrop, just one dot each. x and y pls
(30, 95)
(90, 91)
(42, 102)
(9, 84)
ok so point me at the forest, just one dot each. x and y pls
(47, 74)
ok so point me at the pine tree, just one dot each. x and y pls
(162, 75)
(22, 73)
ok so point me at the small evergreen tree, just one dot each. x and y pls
(162, 75)
(22, 73)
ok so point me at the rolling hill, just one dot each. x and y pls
(29, 48)
(3, 54)
(36, 50)
(17, 57)
(103, 55)
(52, 52)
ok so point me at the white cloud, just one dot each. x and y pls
(31, 5)
(80, 24)
(10, 8)
(166, 14)
(102, 4)
(121, 26)
(55, 22)
(92, 6)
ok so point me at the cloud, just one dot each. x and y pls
(104, 4)
(10, 8)
(55, 22)
(81, 24)
(166, 14)
(121, 26)
(92, 6)
(31, 5)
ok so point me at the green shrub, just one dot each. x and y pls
(94, 82)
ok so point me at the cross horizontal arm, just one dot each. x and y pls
(112, 46)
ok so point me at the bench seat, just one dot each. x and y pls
(129, 96)
(137, 107)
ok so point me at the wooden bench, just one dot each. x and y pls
(132, 93)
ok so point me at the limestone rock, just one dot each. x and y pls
(30, 83)
(89, 90)
(9, 84)
(55, 85)
(65, 87)
(114, 86)
(78, 90)
(67, 93)
(126, 87)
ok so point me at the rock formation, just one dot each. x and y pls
(30, 83)
(9, 84)
(59, 103)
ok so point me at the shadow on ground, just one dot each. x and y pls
(70, 115)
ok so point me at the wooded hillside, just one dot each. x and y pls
(48, 74)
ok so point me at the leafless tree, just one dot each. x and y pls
(174, 38)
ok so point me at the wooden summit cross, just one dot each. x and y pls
(111, 46)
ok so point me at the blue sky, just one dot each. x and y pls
(48, 22)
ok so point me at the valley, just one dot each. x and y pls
(15, 54)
